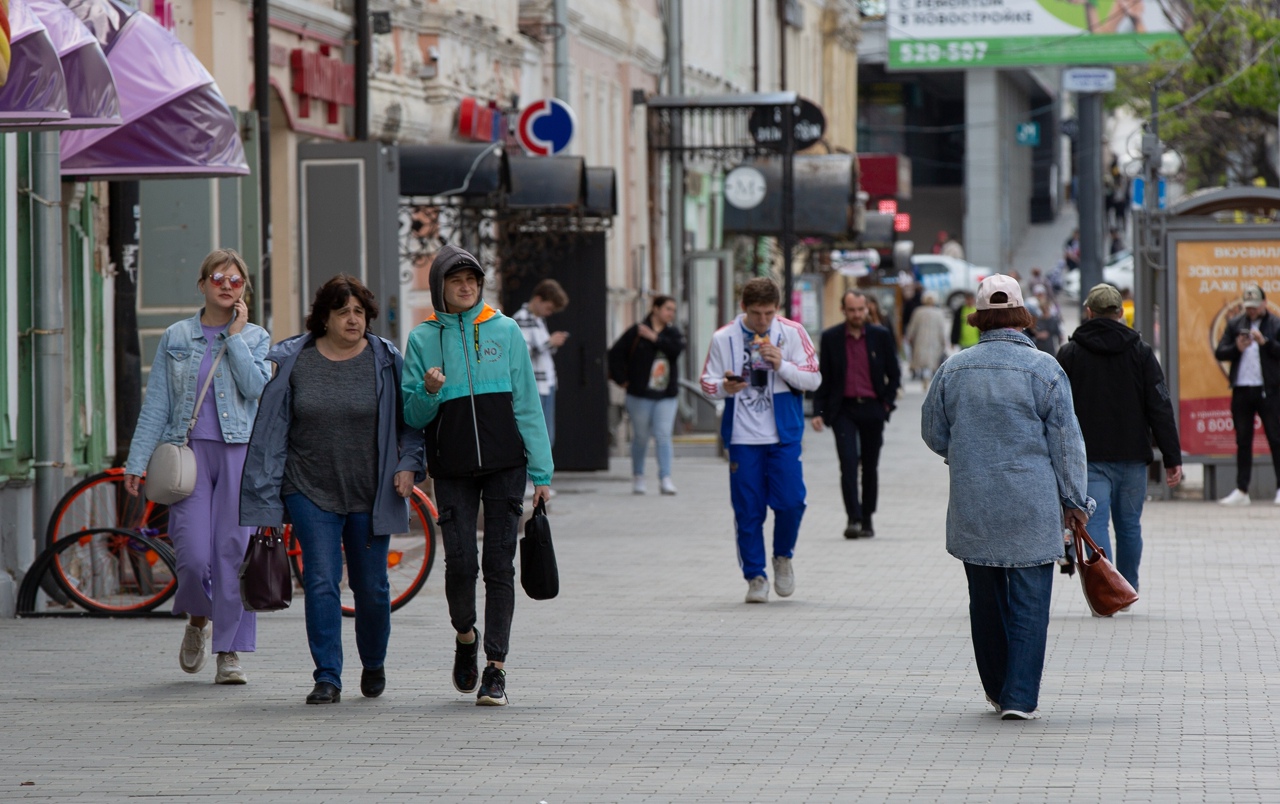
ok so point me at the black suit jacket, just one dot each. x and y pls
(886, 374)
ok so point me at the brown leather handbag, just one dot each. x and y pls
(1105, 589)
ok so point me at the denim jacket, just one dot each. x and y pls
(400, 447)
(1000, 413)
(174, 386)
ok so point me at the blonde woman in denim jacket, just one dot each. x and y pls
(1000, 413)
(205, 527)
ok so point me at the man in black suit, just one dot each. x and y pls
(860, 378)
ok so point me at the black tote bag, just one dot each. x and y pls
(538, 572)
(265, 583)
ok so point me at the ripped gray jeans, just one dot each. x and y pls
(459, 500)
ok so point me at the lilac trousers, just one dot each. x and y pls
(206, 533)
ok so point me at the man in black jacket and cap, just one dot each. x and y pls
(1122, 402)
(1251, 343)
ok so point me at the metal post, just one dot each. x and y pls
(364, 38)
(788, 202)
(675, 197)
(560, 11)
(262, 105)
(1089, 202)
(1144, 290)
(47, 324)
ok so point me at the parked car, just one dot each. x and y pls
(948, 277)
(1117, 271)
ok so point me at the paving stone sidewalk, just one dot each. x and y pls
(649, 679)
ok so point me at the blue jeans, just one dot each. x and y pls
(324, 538)
(651, 418)
(1009, 620)
(1120, 489)
(549, 414)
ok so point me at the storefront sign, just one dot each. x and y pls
(480, 122)
(1210, 276)
(765, 125)
(546, 127)
(317, 76)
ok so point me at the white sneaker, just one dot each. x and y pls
(229, 670)
(637, 485)
(194, 651)
(784, 577)
(758, 590)
(1017, 714)
(668, 487)
(1238, 497)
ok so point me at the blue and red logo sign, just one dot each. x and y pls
(546, 127)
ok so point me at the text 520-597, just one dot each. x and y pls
(933, 52)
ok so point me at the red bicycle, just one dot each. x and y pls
(108, 573)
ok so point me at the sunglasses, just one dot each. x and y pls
(220, 279)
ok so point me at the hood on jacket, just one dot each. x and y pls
(1105, 336)
(449, 260)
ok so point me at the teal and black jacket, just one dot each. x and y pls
(488, 415)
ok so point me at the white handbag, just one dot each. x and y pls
(171, 472)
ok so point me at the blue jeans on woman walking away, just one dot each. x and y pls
(1009, 619)
(651, 418)
(1120, 488)
(325, 538)
(459, 499)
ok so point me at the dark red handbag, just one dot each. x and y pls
(265, 583)
(1105, 589)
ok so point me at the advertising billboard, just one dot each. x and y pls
(958, 34)
(1209, 279)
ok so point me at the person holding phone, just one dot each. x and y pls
(1250, 345)
(205, 528)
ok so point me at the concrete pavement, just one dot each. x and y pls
(648, 679)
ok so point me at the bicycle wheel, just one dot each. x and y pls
(409, 558)
(100, 501)
(115, 571)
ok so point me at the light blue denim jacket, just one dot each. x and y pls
(174, 386)
(1000, 413)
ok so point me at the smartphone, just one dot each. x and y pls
(736, 378)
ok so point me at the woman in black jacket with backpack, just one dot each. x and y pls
(643, 361)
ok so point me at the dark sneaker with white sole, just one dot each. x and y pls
(1018, 714)
(493, 687)
(466, 670)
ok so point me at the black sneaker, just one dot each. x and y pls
(493, 689)
(867, 530)
(466, 672)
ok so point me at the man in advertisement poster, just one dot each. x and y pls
(1250, 344)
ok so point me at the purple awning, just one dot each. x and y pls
(35, 91)
(91, 91)
(176, 123)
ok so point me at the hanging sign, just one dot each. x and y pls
(765, 125)
(546, 127)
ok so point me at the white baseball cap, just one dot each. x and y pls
(999, 283)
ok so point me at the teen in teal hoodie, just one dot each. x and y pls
(468, 382)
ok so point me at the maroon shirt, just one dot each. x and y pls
(857, 367)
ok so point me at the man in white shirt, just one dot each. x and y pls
(1250, 344)
(548, 298)
(761, 364)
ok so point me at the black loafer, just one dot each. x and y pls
(853, 531)
(324, 693)
(373, 682)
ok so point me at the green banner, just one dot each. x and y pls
(1023, 51)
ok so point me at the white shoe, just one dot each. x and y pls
(637, 485)
(229, 670)
(758, 590)
(666, 486)
(194, 651)
(1017, 714)
(784, 577)
(1238, 497)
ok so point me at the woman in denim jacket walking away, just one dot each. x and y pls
(205, 527)
(1000, 413)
